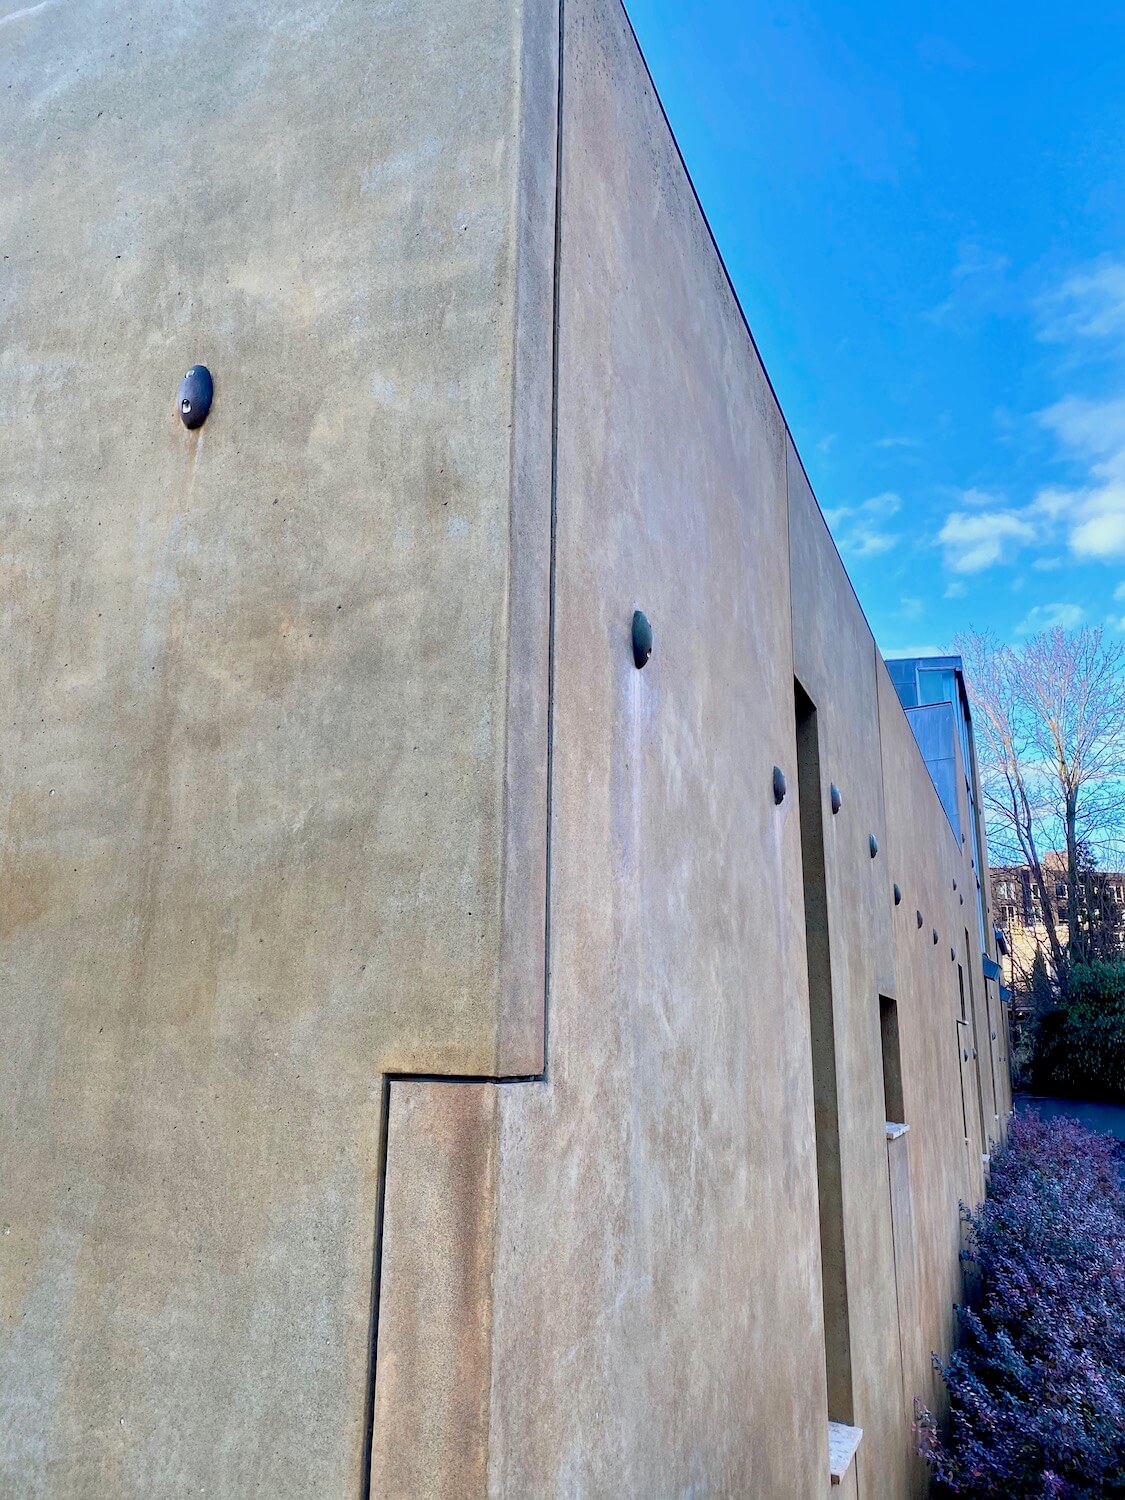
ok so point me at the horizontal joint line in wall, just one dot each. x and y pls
(466, 1077)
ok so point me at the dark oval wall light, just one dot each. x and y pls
(197, 391)
(898, 894)
(873, 845)
(919, 916)
(834, 798)
(642, 639)
(778, 785)
(935, 935)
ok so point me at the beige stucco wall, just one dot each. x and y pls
(273, 747)
(329, 773)
(633, 1350)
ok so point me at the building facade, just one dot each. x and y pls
(447, 1053)
(1018, 905)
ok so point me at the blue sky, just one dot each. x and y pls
(923, 210)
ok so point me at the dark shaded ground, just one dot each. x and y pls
(1105, 1119)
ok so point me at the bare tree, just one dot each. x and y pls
(1050, 721)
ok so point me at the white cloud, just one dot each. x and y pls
(910, 609)
(1101, 532)
(1090, 304)
(857, 529)
(956, 590)
(1119, 593)
(1094, 513)
(1085, 518)
(1093, 428)
(981, 499)
(886, 504)
(1053, 502)
(976, 540)
(1047, 616)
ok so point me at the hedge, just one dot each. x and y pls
(1037, 1385)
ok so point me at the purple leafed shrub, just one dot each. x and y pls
(1037, 1386)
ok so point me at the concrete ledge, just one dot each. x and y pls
(843, 1443)
(895, 1130)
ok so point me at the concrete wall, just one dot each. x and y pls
(411, 1082)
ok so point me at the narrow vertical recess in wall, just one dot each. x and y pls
(892, 1061)
(960, 1029)
(834, 1278)
(988, 1029)
(974, 1031)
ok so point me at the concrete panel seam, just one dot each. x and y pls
(540, 1077)
(377, 1259)
(555, 319)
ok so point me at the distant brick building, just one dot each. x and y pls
(1018, 913)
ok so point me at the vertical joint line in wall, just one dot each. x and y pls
(376, 1288)
(389, 1078)
(554, 529)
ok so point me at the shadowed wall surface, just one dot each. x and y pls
(327, 772)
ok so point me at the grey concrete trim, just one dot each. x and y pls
(895, 1131)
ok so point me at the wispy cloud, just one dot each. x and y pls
(927, 648)
(860, 530)
(1087, 516)
(1088, 304)
(980, 286)
(982, 500)
(1093, 433)
(975, 540)
(1047, 616)
(1086, 314)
